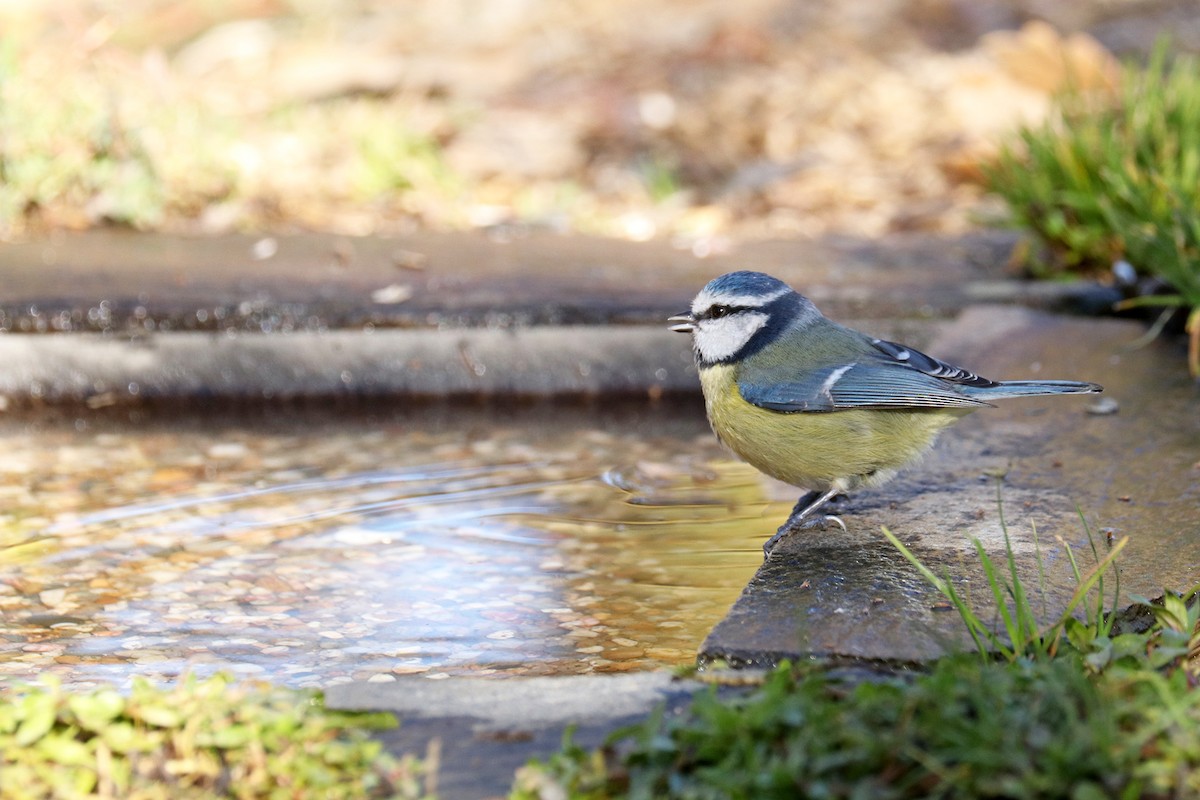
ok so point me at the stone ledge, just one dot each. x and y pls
(541, 362)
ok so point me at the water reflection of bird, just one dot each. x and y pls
(816, 404)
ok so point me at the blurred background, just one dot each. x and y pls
(680, 118)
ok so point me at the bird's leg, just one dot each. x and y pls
(799, 517)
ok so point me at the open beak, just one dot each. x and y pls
(686, 323)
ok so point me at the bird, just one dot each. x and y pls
(818, 405)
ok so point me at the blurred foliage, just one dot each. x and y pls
(69, 145)
(198, 739)
(1111, 178)
(84, 144)
(624, 118)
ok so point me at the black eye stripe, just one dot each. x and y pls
(721, 310)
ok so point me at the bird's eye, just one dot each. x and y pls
(716, 312)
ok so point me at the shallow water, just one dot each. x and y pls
(313, 547)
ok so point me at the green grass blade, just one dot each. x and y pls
(975, 627)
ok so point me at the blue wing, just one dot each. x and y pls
(856, 386)
(890, 376)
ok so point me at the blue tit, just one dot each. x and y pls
(818, 405)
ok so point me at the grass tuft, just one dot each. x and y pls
(965, 729)
(1021, 635)
(1110, 178)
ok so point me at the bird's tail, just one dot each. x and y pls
(1030, 389)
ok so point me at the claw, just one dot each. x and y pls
(799, 518)
(808, 524)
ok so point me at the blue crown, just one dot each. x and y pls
(745, 282)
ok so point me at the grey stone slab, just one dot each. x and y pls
(545, 361)
(838, 594)
(515, 703)
(321, 281)
(116, 281)
(484, 729)
(537, 314)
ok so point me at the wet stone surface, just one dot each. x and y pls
(96, 370)
(135, 285)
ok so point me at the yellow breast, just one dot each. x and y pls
(811, 450)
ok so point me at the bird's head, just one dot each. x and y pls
(739, 313)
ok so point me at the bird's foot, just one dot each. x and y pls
(788, 528)
(838, 501)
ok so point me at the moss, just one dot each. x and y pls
(198, 739)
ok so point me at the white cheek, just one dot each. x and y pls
(718, 339)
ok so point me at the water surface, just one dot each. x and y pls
(313, 547)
